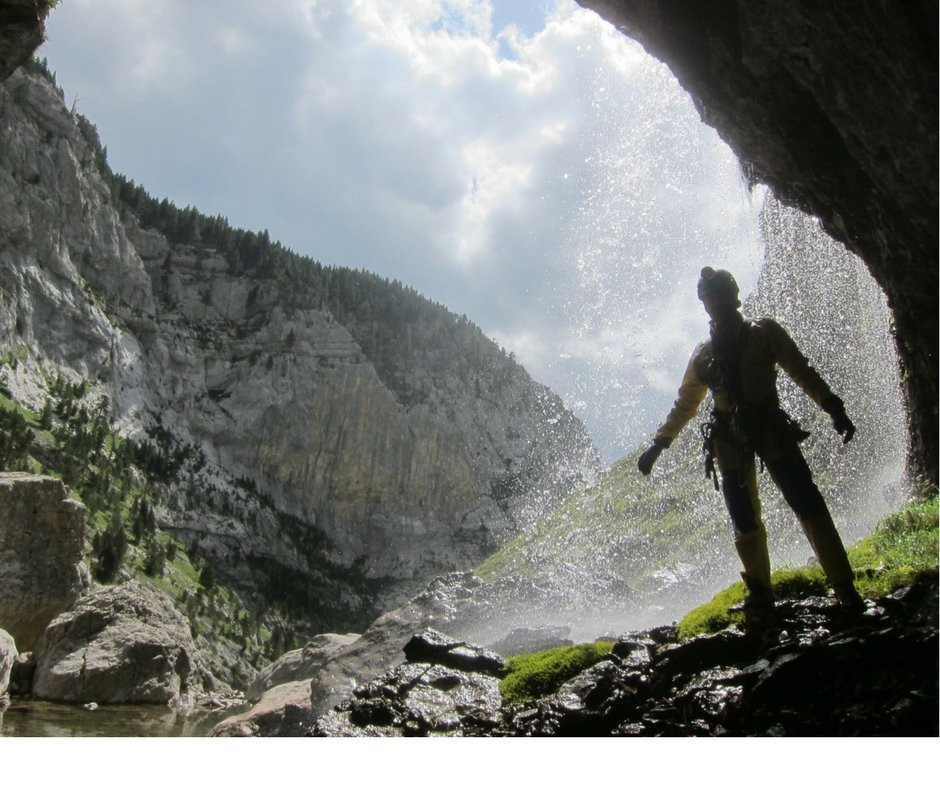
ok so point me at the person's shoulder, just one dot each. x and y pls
(767, 325)
(703, 348)
(701, 358)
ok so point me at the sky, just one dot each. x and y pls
(522, 163)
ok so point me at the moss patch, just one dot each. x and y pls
(532, 676)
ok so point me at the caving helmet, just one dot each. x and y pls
(720, 281)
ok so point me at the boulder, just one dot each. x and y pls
(284, 710)
(435, 648)
(524, 640)
(301, 663)
(42, 533)
(7, 658)
(119, 644)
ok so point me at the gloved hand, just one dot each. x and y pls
(841, 422)
(649, 457)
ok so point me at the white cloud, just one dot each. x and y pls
(547, 178)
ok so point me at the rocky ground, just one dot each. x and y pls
(817, 672)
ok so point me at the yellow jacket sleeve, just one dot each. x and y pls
(794, 363)
(692, 391)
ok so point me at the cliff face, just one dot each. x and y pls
(419, 456)
(834, 106)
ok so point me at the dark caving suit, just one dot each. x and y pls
(739, 365)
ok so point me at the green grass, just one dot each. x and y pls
(903, 546)
(532, 676)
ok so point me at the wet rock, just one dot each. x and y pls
(119, 644)
(379, 648)
(523, 640)
(283, 710)
(42, 532)
(418, 700)
(299, 664)
(8, 655)
(728, 647)
(436, 648)
(635, 650)
(860, 683)
(663, 635)
(586, 704)
(819, 673)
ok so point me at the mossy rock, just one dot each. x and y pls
(532, 676)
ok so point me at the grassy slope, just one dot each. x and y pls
(625, 526)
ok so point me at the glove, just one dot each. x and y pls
(649, 457)
(841, 422)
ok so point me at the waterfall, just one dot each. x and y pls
(834, 310)
(635, 551)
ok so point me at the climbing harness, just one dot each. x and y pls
(708, 450)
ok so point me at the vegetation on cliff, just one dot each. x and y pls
(131, 490)
(156, 505)
(389, 320)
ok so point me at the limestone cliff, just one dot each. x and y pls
(390, 438)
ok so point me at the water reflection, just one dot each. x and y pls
(39, 718)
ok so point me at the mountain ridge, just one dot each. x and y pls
(347, 406)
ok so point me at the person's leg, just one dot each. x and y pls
(739, 488)
(793, 477)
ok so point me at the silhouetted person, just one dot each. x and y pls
(739, 365)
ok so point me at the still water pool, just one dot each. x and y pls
(38, 718)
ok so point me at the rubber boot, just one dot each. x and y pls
(849, 598)
(752, 550)
(758, 606)
(827, 545)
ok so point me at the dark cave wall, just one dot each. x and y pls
(834, 106)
